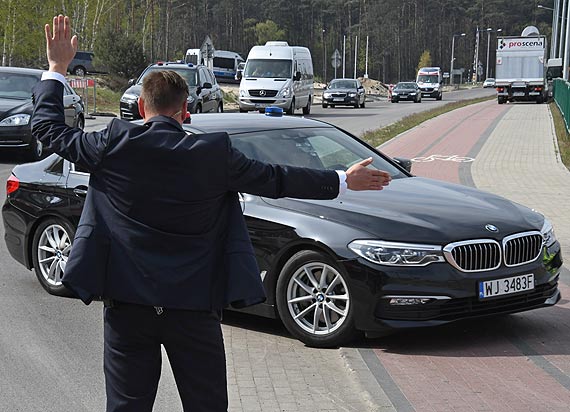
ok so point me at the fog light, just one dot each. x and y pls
(409, 301)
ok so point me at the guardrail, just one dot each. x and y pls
(562, 99)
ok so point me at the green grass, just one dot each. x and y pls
(376, 137)
(561, 134)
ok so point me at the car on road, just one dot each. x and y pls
(406, 91)
(489, 82)
(16, 107)
(419, 253)
(82, 64)
(204, 93)
(344, 92)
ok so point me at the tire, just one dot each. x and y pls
(335, 314)
(49, 256)
(198, 109)
(539, 100)
(291, 109)
(418, 100)
(80, 123)
(79, 71)
(325, 105)
(220, 108)
(363, 105)
(332, 106)
(356, 105)
(500, 100)
(36, 150)
(439, 96)
(242, 110)
(307, 108)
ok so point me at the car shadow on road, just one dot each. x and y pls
(255, 323)
(540, 332)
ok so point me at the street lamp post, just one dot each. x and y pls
(555, 24)
(452, 55)
(489, 30)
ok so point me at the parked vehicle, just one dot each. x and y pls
(239, 71)
(277, 75)
(430, 82)
(406, 91)
(520, 73)
(344, 92)
(204, 95)
(419, 253)
(489, 82)
(16, 109)
(553, 71)
(82, 64)
(224, 64)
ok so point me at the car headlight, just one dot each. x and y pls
(16, 120)
(327, 95)
(548, 232)
(413, 94)
(129, 98)
(394, 93)
(436, 88)
(286, 92)
(352, 94)
(190, 100)
(243, 93)
(397, 254)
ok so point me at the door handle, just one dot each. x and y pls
(80, 191)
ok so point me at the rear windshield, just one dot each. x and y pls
(188, 74)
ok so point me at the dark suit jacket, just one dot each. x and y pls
(162, 224)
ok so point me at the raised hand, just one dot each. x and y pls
(61, 46)
(359, 177)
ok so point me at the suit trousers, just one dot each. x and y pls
(133, 335)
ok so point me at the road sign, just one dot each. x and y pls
(335, 59)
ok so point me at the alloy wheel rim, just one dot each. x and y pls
(53, 250)
(39, 149)
(317, 298)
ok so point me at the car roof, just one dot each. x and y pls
(24, 70)
(235, 123)
(176, 65)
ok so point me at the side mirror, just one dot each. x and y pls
(207, 85)
(404, 163)
(297, 76)
(132, 82)
(238, 75)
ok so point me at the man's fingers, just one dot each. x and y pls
(48, 33)
(66, 28)
(74, 42)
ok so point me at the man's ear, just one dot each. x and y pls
(141, 107)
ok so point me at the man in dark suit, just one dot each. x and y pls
(161, 238)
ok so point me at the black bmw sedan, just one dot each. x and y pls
(16, 84)
(421, 252)
(406, 91)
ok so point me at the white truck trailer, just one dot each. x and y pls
(520, 69)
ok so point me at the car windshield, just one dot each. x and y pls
(187, 73)
(343, 84)
(428, 78)
(405, 86)
(17, 85)
(268, 68)
(319, 148)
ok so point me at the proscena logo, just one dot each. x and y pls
(502, 44)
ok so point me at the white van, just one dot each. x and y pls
(225, 63)
(277, 75)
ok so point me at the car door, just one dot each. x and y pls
(76, 186)
(205, 94)
(360, 92)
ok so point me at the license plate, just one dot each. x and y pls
(506, 286)
(338, 99)
(260, 106)
(518, 94)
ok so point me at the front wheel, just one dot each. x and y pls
(325, 105)
(307, 108)
(313, 300)
(220, 108)
(198, 109)
(291, 109)
(50, 249)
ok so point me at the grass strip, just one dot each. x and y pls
(561, 133)
(376, 137)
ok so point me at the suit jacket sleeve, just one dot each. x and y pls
(274, 181)
(48, 126)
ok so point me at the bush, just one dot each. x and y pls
(122, 55)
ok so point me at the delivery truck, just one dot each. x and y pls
(520, 68)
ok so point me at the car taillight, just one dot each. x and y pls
(500, 89)
(12, 184)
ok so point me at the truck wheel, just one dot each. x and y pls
(500, 100)
(539, 100)
(439, 96)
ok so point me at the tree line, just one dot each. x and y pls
(128, 34)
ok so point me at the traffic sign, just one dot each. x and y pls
(335, 59)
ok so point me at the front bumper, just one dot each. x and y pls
(341, 101)
(450, 295)
(429, 92)
(129, 110)
(17, 137)
(260, 103)
(399, 97)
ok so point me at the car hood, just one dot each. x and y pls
(340, 91)
(14, 106)
(422, 210)
(404, 90)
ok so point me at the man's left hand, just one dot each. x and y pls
(61, 47)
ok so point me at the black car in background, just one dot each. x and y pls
(406, 91)
(421, 252)
(16, 84)
(82, 64)
(204, 95)
(344, 92)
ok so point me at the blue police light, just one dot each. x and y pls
(190, 65)
(274, 111)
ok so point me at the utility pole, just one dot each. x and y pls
(366, 64)
(561, 52)
(343, 56)
(355, 54)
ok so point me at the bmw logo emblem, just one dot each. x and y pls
(492, 228)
